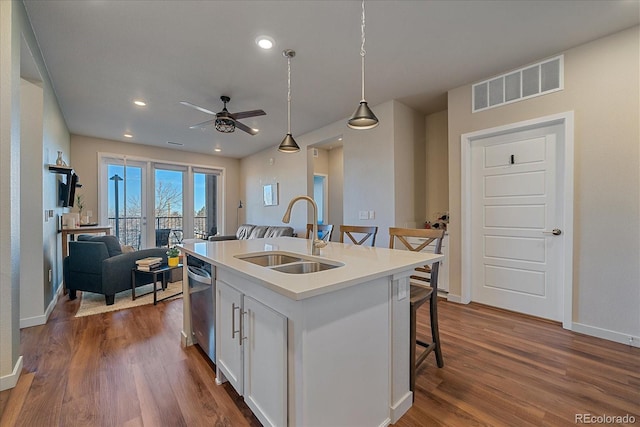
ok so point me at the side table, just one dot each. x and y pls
(160, 272)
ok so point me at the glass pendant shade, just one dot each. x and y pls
(289, 145)
(363, 117)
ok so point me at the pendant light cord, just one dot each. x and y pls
(289, 94)
(362, 51)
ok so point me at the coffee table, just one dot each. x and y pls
(160, 272)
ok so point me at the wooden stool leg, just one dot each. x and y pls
(435, 334)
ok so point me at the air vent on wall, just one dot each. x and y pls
(533, 80)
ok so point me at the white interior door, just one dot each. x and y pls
(515, 255)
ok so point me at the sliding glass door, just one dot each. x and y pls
(169, 214)
(150, 203)
(125, 208)
(205, 199)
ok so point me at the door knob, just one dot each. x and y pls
(555, 232)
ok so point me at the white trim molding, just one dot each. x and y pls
(566, 120)
(10, 381)
(631, 340)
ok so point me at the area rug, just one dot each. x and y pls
(94, 303)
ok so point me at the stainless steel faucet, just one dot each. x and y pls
(317, 243)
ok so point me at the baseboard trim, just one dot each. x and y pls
(606, 334)
(185, 340)
(401, 407)
(43, 318)
(454, 298)
(10, 381)
(33, 321)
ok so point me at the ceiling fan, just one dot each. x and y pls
(225, 121)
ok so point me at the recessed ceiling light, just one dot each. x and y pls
(140, 103)
(265, 42)
(217, 150)
(128, 135)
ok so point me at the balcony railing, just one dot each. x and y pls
(129, 228)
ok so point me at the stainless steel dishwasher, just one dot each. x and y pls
(202, 299)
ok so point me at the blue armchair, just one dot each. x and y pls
(97, 264)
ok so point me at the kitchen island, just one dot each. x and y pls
(327, 348)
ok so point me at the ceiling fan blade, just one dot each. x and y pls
(203, 124)
(204, 110)
(245, 114)
(246, 128)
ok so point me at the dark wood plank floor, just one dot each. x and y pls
(127, 368)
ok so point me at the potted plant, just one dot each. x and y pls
(173, 256)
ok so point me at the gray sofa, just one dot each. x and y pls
(250, 231)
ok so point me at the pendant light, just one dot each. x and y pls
(363, 117)
(288, 144)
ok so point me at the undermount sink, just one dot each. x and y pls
(269, 260)
(304, 267)
(289, 263)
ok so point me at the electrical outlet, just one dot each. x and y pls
(363, 215)
(372, 214)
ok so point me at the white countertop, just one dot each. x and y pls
(361, 264)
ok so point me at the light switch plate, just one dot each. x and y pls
(363, 215)
(372, 214)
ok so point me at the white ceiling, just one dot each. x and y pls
(101, 55)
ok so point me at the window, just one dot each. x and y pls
(163, 191)
(205, 203)
(168, 202)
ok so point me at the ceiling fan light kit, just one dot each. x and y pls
(225, 121)
(288, 144)
(363, 117)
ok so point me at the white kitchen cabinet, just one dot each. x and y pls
(265, 362)
(229, 357)
(252, 353)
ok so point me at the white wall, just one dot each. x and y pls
(602, 83)
(369, 167)
(409, 167)
(9, 194)
(437, 165)
(32, 285)
(14, 26)
(336, 190)
(84, 152)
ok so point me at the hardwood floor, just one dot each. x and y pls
(127, 368)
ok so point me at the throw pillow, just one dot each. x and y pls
(127, 249)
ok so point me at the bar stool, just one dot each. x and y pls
(350, 230)
(420, 294)
(324, 231)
